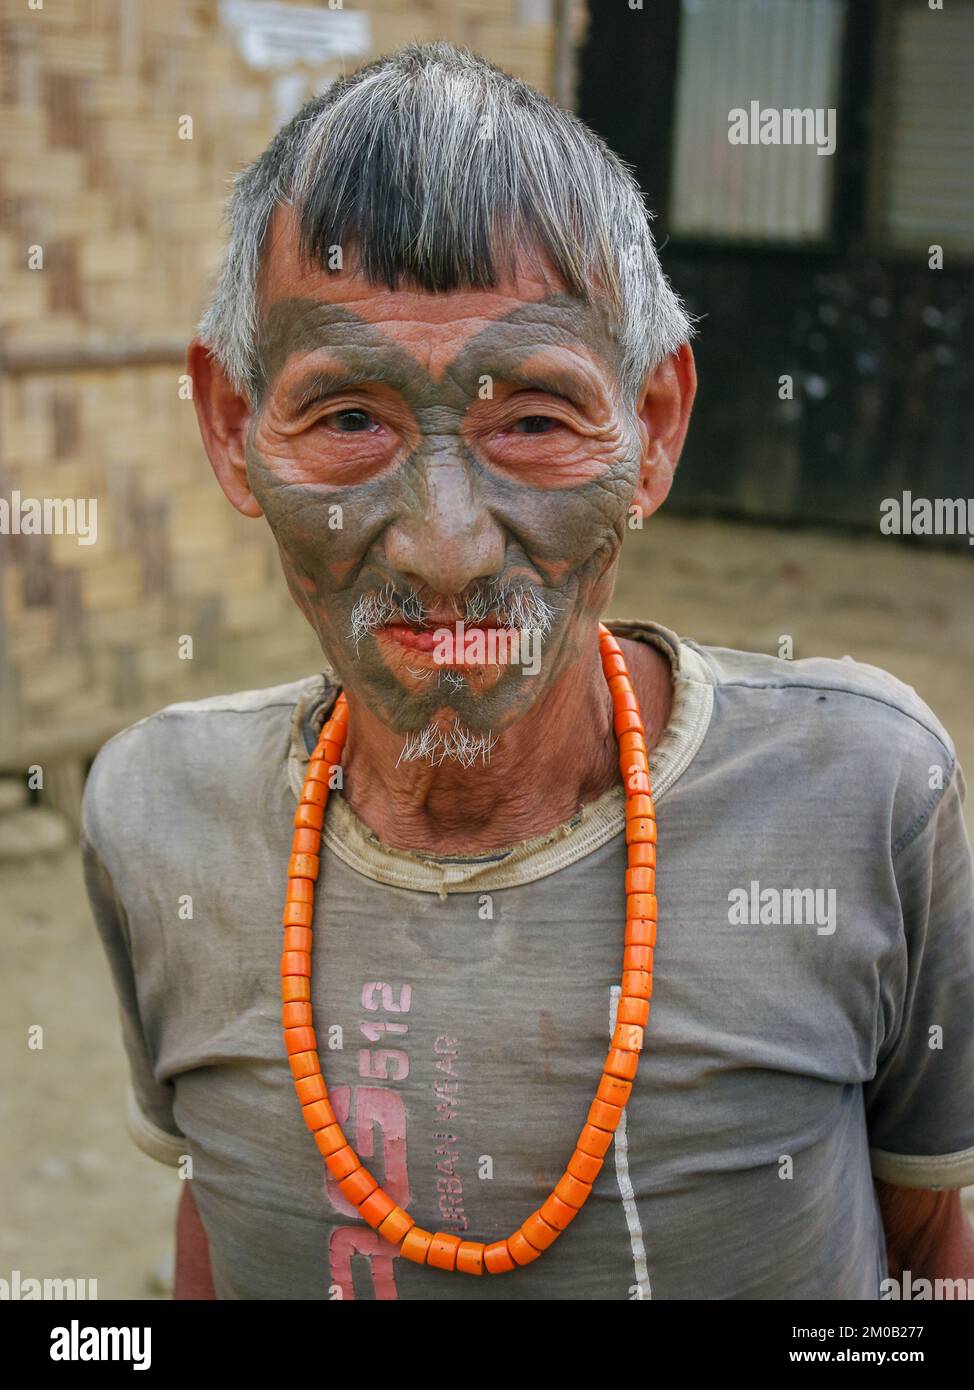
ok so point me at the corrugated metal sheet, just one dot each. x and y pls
(927, 186)
(781, 54)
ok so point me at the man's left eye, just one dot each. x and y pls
(534, 424)
(352, 421)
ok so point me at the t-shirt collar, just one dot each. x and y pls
(593, 824)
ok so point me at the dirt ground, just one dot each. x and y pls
(79, 1200)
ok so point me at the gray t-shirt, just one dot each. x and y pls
(812, 1020)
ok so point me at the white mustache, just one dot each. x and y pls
(514, 606)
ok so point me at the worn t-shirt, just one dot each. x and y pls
(811, 1023)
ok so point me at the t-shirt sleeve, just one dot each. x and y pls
(149, 1103)
(920, 1103)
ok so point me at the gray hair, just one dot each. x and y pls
(440, 167)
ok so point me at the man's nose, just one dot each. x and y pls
(448, 538)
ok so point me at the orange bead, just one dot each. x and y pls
(311, 1088)
(303, 866)
(639, 806)
(619, 683)
(396, 1224)
(298, 915)
(624, 699)
(304, 1064)
(497, 1258)
(376, 1207)
(613, 664)
(640, 880)
(572, 1192)
(558, 1213)
(296, 1015)
(638, 958)
(634, 771)
(633, 1011)
(298, 938)
(342, 1163)
(357, 1186)
(584, 1166)
(619, 1063)
(641, 855)
(634, 764)
(640, 931)
(316, 793)
(300, 890)
(632, 742)
(522, 1251)
(296, 963)
(636, 780)
(300, 1040)
(628, 1037)
(539, 1232)
(613, 1090)
(330, 1140)
(329, 750)
(442, 1253)
(319, 770)
(318, 1115)
(416, 1244)
(628, 721)
(593, 1140)
(638, 983)
(604, 1116)
(642, 830)
(641, 905)
(295, 989)
(470, 1257)
(308, 816)
(305, 841)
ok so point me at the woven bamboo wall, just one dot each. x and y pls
(128, 217)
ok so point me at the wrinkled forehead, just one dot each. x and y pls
(339, 313)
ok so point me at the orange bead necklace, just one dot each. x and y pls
(545, 1225)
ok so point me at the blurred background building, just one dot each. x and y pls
(815, 267)
(121, 125)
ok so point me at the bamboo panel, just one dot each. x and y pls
(130, 220)
(390, 30)
(63, 17)
(61, 173)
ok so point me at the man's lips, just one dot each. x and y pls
(425, 638)
(415, 639)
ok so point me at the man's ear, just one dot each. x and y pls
(223, 418)
(663, 409)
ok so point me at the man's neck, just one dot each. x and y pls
(562, 754)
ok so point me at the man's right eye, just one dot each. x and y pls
(351, 421)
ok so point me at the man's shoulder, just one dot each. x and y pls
(843, 725)
(831, 691)
(183, 749)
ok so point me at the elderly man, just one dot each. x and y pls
(444, 364)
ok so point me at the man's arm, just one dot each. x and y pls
(927, 1232)
(193, 1279)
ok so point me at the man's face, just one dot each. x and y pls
(424, 458)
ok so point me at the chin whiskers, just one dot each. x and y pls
(458, 745)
